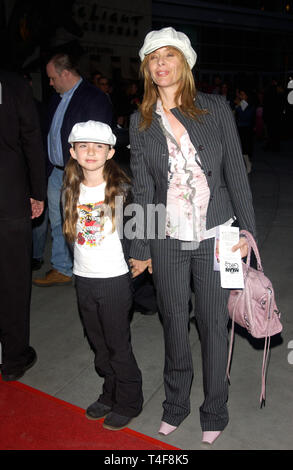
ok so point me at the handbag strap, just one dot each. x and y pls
(252, 246)
(262, 397)
(265, 361)
(264, 371)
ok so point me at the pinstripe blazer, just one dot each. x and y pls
(216, 140)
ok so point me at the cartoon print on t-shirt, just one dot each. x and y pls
(92, 221)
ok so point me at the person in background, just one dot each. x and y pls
(104, 85)
(40, 224)
(75, 100)
(95, 77)
(22, 195)
(245, 121)
(216, 86)
(226, 92)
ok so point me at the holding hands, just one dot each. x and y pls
(138, 266)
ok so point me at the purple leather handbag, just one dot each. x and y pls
(254, 307)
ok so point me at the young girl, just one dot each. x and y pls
(103, 283)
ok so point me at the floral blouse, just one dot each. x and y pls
(188, 192)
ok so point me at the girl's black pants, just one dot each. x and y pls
(104, 305)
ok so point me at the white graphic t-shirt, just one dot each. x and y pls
(97, 251)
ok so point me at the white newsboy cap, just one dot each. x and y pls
(92, 131)
(168, 37)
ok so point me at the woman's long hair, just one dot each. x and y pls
(184, 98)
(115, 179)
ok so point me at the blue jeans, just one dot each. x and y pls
(61, 258)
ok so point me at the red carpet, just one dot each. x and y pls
(33, 420)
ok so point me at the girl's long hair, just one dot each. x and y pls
(184, 98)
(116, 180)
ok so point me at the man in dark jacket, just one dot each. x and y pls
(75, 100)
(22, 194)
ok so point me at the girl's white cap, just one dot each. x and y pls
(92, 131)
(168, 37)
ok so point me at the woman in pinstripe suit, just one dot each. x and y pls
(186, 158)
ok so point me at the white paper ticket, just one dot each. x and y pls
(230, 262)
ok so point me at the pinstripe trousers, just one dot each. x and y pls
(172, 268)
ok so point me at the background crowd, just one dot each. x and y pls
(266, 116)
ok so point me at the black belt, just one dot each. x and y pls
(59, 167)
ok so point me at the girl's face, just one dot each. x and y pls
(91, 156)
(165, 67)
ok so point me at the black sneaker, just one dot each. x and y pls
(97, 410)
(115, 422)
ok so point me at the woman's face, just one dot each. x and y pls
(165, 67)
